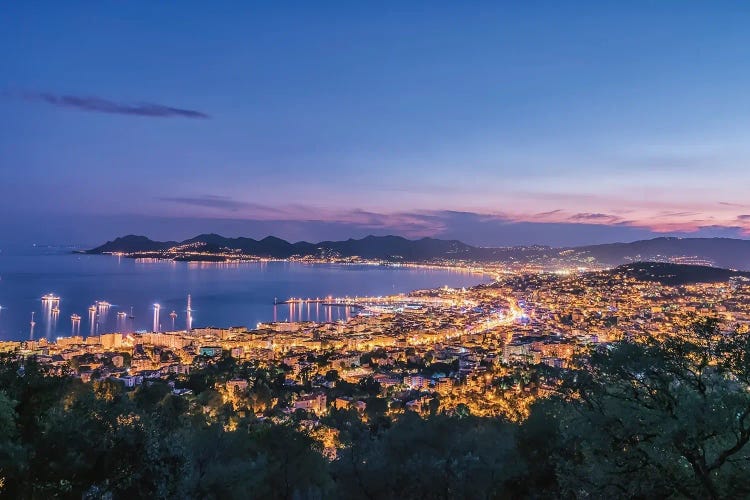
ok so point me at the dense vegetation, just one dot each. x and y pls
(653, 418)
(676, 274)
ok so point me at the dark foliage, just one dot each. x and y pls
(656, 418)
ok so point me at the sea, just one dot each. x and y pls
(98, 287)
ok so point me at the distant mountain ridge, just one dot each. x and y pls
(722, 252)
(370, 247)
(133, 243)
(719, 252)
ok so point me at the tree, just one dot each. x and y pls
(148, 395)
(12, 456)
(441, 457)
(538, 444)
(8, 417)
(462, 411)
(108, 389)
(658, 416)
(434, 405)
(376, 407)
(370, 386)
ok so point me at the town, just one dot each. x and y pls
(483, 350)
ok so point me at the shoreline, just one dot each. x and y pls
(366, 306)
(475, 275)
(475, 268)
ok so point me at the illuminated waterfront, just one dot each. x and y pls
(101, 290)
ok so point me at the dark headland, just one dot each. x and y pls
(717, 252)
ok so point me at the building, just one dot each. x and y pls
(315, 403)
(210, 351)
(342, 403)
(236, 385)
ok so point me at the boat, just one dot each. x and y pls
(75, 317)
(121, 314)
(50, 297)
(103, 303)
(55, 310)
(92, 309)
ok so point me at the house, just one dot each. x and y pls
(444, 384)
(416, 382)
(360, 406)
(236, 385)
(342, 403)
(315, 403)
(130, 381)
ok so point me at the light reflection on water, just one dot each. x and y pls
(237, 294)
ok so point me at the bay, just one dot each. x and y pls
(223, 295)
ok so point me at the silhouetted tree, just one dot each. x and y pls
(661, 416)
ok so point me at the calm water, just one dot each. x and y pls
(221, 294)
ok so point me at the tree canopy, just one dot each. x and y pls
(639, 418)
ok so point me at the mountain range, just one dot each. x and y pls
(719, 252)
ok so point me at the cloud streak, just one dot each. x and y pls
(219, 202)
(483, 227)
(99, 105)
(594, 218)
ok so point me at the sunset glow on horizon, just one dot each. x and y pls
(493, 123)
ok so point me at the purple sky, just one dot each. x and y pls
(539, 122)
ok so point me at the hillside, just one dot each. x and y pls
(721, 252)
(676, 274)
(132, 243)
(718, 252)
(393, 248)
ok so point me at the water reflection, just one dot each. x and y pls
(239, 294)
(309, 310)
(157, 325)
(75, 324)
(92, 320)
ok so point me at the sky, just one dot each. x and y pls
(497, 123)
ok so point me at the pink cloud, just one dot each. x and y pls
(652, 215)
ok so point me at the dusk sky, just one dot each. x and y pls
(491, 122)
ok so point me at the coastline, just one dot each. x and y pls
(239, 303)
(473, 268)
